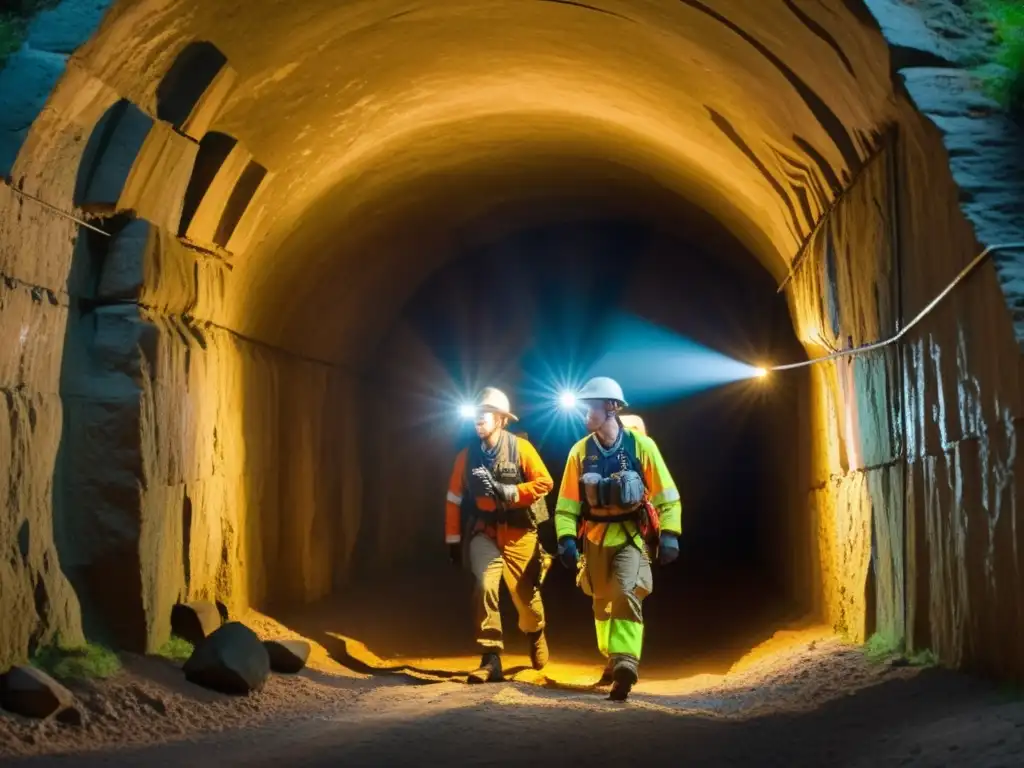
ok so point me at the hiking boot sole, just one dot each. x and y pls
(478, 676)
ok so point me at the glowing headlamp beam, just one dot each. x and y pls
(467, 411)
(567, 400)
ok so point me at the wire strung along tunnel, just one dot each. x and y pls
(251, 249)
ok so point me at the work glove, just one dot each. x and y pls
(455, 554)
(568, 552)
(503, 492)
(668, 548)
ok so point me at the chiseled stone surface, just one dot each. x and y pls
(204, 446)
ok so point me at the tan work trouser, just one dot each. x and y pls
(618, 579)
(518, 562)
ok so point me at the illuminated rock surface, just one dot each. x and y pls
(201, 406)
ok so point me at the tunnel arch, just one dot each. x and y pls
(242, 358)
(193, 72)
(351, 37)
(114, 144)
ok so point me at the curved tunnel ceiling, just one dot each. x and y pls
(388, 125)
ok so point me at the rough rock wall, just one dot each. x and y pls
(936, 45)
(962, 367)
(243, 469)
(155, 456)
(195, 457)
(917, 468)
(37, 602)
(842, 294)
(963, 394)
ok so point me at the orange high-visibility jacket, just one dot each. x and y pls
(537, 483)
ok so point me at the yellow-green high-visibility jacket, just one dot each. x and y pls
(661, 488)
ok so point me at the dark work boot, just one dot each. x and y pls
(489, 670)
(624, 676)
(538, 649)
(606, 677)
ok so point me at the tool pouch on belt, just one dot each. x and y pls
(592, 489)
(627, 491)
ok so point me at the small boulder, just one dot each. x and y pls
(231, 660)
(33, 693)
(195, 621)
(287, 656)
(71, 716)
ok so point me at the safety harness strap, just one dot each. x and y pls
(621, 517)
(506, 468)
(645, 516)
(625, 459)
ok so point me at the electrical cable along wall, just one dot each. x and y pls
(912, 497)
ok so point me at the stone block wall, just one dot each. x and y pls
(842, 294)
(963, 392)
(156, 455)
(916, 467)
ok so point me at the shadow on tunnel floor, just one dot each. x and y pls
(701, 619)
(935, 718)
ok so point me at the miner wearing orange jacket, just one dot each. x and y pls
(495, 501)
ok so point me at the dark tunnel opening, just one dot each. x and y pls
(536, 309)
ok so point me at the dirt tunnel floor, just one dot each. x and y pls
(798, 696)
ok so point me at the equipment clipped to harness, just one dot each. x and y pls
(615, 492)
(623, 491)
(501, 465)
(627, 490)
(592, 486)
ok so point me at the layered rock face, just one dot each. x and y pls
(155, 457)
(187, 412)
(914, 498)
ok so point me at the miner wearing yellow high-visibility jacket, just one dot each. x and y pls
(606, 478)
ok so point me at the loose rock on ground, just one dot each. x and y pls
(31, 692)
(231, 660)
(195, 621)
(287, 656)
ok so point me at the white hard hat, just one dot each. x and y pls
(602, 388)
(492, 399)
